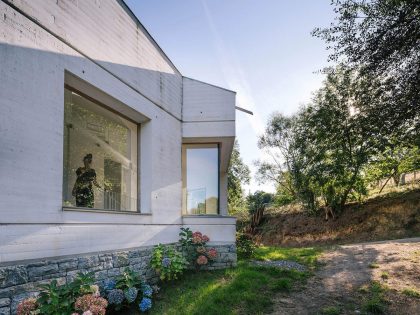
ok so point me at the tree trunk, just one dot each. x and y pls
(396, 177)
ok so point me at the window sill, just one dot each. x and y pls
(218, 216)
(92, 210)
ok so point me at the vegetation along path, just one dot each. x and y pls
(368, 278)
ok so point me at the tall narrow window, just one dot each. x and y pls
(200, 178)
(100, 156)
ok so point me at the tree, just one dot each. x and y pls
(278, 140)
(324, 148)
(258, 200)
(238, 175)
(381, 39)
(393, 162)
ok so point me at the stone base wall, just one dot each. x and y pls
(21, 280)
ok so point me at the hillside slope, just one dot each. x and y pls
(385, 217)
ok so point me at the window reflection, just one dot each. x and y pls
(201, 179)
(100, 154)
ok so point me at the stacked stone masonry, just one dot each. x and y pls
(20, 281)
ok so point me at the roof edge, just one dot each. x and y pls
(137, 21)
(213, 85)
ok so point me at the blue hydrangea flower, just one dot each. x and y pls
(109, 284)
(130, 294)
(145, 304)
(166, 262)
(116, 296)
(147, 290)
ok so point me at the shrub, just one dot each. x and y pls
(60, 299)
(245, 247)
(127, 288)
(194, 247)
(128, 279)
(168, 262)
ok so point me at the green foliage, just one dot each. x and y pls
(246, 289)
(245, 247)
(331, 310)
(168, 262)
(374, 303)
(322, 155)
(258, 200)
(185, 237)
(363, 123)
(411, 293)
(59, 299)
(282, 285)
(238, 175)
(397, 158)
(128, 279)
(379, 39)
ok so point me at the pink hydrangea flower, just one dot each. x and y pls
(212, 253)
(205, 238)
(202, 260)
(201, 250)
(91, 303)
(27, 306)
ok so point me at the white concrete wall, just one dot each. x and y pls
(208, 115)
(102, 45)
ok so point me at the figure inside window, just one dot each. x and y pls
(83, 187)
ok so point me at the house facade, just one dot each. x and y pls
(106, 149)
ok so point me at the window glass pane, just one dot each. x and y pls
(100, 154)
(202, 179)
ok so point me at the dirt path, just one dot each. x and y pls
(345, 269)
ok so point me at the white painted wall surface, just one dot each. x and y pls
(121, 60)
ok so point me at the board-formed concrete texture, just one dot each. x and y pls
(100, 48)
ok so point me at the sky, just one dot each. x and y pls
(262, 49)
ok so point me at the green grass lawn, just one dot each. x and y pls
(245, 289)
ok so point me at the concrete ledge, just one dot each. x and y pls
(208, 220)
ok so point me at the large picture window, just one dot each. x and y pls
(100, 156)
(200, 178)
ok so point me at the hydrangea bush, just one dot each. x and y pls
(128, 289)
(194, 246)
(82, 297)
(168, 262)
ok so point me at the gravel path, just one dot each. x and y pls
(345, 269)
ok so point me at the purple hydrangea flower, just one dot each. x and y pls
(109, 284)
(145, 304)
(147, 290)
(116, 296)
(166, 262)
